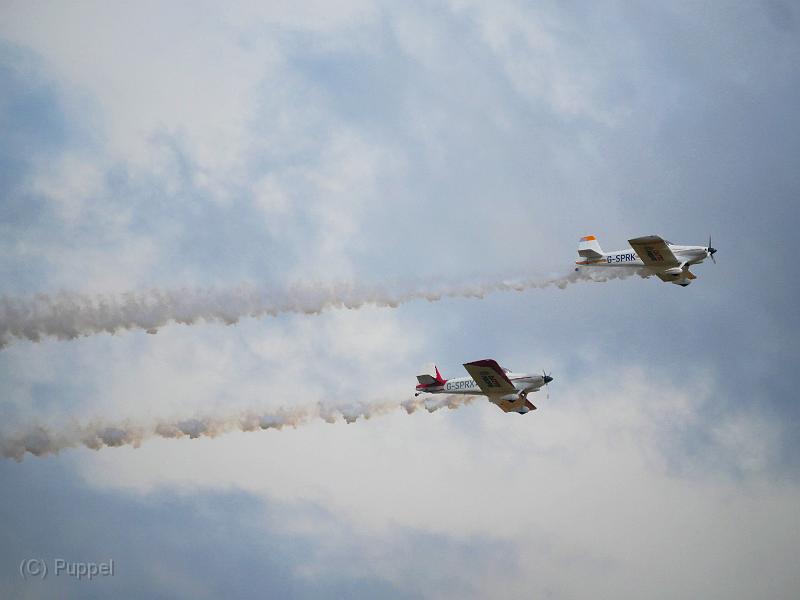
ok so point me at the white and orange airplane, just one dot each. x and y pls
(507, 390)
(650, 254)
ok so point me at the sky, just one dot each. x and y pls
(300, 145)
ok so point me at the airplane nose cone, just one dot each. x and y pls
(547, 379)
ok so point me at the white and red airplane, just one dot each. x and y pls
(506, 389)
(650, 254)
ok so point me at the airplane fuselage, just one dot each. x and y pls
(507, 390)
(466, 385)
(688, 255)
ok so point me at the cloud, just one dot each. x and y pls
(146, 538)
(403, 143)
(598, 480)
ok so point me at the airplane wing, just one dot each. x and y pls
(492, 380)
(654, 251)
(520, 406)
(670, 279)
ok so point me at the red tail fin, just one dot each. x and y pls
(430, 377)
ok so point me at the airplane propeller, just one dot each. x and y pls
(547, 379)
(711, 251)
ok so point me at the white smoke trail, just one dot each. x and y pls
(41, 441)
(70, 315)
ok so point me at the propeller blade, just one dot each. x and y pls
(547, 379)
(711, 251)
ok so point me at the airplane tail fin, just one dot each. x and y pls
(589, 247)
(430, 376)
